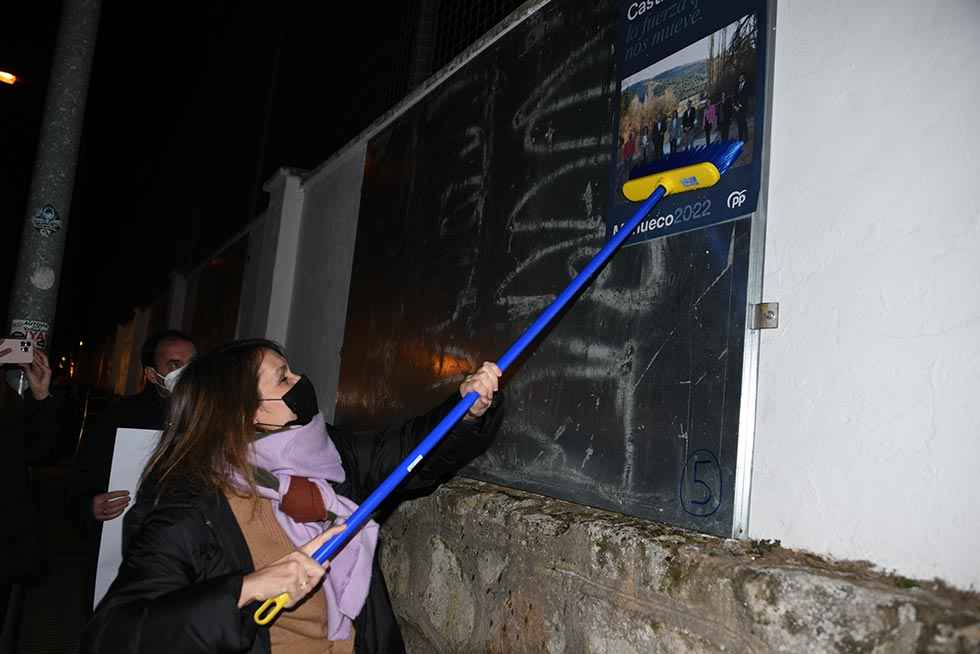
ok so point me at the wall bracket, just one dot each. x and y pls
(765, 315)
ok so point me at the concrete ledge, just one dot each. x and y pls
(481, 568)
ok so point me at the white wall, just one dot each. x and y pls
(323, 271)
(868, 438)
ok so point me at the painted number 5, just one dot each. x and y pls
(700, 487)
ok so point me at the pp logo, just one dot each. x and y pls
(736, 198)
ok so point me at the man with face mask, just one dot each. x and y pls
(163, 356)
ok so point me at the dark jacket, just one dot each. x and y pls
(93, 460)
(725, 111)
(688, 119)
(30, 432)
(185, 555)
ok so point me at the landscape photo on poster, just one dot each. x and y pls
(696, 96)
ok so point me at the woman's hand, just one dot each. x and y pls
(485, 382)
(296, 574)
(38, 375)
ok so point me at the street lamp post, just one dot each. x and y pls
(35, 289)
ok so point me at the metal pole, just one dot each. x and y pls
(35, 289)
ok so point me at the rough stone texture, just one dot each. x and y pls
(481, 568)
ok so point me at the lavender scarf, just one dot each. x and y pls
(307, 451)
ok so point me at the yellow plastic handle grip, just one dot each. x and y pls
(273, 606)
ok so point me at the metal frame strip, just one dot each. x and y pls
(742, 499)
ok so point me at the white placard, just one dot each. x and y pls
(133, 448)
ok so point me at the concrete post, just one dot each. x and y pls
(35, 290)
(286, 191)
(267, 284)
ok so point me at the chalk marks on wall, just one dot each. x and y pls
(502, 204)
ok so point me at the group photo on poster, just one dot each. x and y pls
(691, 75)
(699, 95)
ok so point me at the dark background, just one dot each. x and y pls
(192, 105)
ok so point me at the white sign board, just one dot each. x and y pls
(133, 448)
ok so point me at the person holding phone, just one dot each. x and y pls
(29, 426)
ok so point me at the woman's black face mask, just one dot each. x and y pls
(301, 400)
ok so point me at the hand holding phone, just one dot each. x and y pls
(38, 373)
(21, 352)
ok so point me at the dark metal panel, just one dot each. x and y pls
(478, 206)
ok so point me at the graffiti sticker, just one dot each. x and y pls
(46, 220)
(32, 330)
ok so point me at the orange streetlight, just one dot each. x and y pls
(7, 78)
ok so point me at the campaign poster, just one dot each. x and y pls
(690, 73)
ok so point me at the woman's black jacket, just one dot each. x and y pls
(184, 555)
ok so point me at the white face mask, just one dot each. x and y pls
(170, 379)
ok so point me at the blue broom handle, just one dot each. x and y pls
(367, 507)
(580, 280)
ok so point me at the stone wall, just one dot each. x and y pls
(481, 568)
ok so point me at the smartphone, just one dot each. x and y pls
(21, 350)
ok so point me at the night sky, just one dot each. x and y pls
(191, 105)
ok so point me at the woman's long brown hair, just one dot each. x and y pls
(210, 421)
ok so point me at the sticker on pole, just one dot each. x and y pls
(46, 220)
(31, 330)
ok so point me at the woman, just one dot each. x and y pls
(710, 119)
(245, 473)
(629, 150)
